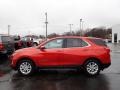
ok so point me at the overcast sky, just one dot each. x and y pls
(28, 16)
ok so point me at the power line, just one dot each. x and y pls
(81, 27)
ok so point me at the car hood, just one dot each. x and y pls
(28, 50)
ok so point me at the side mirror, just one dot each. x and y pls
(42, 47)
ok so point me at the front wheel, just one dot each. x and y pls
(26, 67)
(92, 67)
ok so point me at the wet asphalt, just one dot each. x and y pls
(109, 79)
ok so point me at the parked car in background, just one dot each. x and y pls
(17, 42)
(108, 40)
(35, 39)
(36, 42)
(89, 54)
(26, 42)
(6, 44)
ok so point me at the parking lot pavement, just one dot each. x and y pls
(109, 79)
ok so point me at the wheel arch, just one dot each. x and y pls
(35, 43)
(93, 58)
(87, 61)
(23, 58)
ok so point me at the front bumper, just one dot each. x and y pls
(14, 68)
(11, 63)
(103, 66)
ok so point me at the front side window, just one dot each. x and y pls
(75, 42)
(58, 43)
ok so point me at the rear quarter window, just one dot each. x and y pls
(99, 42)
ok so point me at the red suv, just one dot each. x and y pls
(90, 54)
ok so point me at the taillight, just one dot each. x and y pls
(1, 46)
(106, 48)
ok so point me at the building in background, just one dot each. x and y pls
(116, 34)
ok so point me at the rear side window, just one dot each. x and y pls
(99, 42)
(75, 42)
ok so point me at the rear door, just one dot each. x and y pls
(8, 43)
(74, 51)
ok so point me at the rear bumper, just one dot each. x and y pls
(7, 51)
(3, 52)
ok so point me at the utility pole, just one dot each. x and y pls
(81, 27)
(9, 29)
(70, 28)
(46, 22)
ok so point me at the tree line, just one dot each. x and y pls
(99, 32)
(94, 32)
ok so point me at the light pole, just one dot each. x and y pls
(9, 29)
(70, 28)
(46, 22)
(81, 27)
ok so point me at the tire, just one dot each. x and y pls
(26, 67)
(92, 67)
(35, 44)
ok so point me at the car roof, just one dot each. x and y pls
(75, 37)
(59, 37)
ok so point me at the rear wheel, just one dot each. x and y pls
(92, 67)
(26, 67)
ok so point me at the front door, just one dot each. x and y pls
(52, 53)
